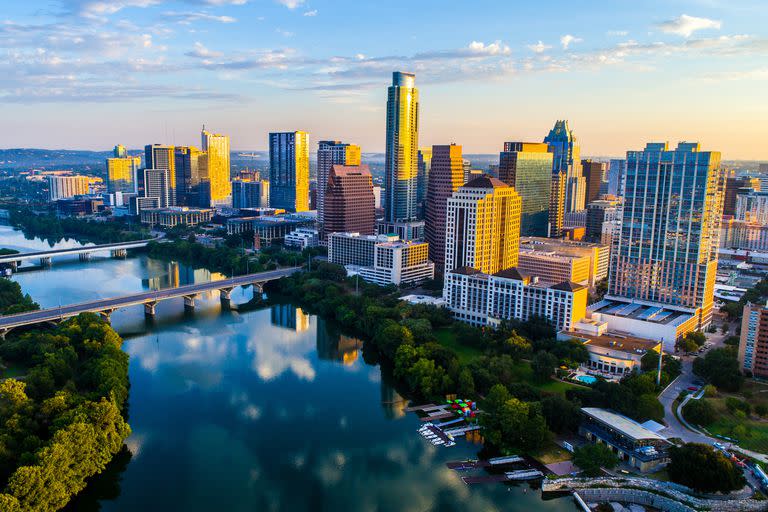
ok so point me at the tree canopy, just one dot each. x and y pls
(703, 469)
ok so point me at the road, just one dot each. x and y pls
(22, 256)
(53, 314)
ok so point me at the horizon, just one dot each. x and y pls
(90, 74)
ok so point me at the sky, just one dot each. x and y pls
(88, 74)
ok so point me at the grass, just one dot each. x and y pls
(556, 387)
(552, 453)
(447, 338)
(757, 430)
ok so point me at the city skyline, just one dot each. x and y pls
(262, 66)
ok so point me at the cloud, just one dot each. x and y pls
(201, 52)
(284, 33)
(291, 4)
(568, 39)
(313, 12)
(685, 25)
(185, 18)
(539, 47)
(619, 33)
(495, 48)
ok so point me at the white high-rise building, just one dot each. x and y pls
(61, 187)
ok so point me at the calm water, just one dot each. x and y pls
(270, 409)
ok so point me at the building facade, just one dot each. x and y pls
(302, 238)
(527, 167)
(219, 182)
(566, 155)
(753, 343)
(250, 194)
(191, 170)
(593, 173)
(446, 175)
(752, 206)
(349, 201)
(174, 216)
(483, 226)
(62, 187)
(330, 153)
(121, 173)
(401, 155)
(598, 213)
(422, 181)
(159, 156)
(289, 171)
(617, 168)
(483, 299)
(157, 184)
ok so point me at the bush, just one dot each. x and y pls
(700, 412)
(734, 404)
(721, 368)
(703, 469)
(591, 457)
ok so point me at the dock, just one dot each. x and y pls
(431, 429)
(462, 430)
(425, 408)
(523, 474)
(437, 416)
(464, 465)
(498, 461)
(483, 479)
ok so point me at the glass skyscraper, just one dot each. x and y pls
(667, 250)
(566, 158)
(330, 153)
(289, 171)
(402, 142)
(527, 166)
(219, 182)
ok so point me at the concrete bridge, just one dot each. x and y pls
(149, 300)
(118, 250)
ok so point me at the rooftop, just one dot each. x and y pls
(485, 181)
(645, 312)
(627, 427)
(617, 341)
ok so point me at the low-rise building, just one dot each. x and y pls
(483, 299)
(176, 215)
(302, 238)
(633, 443)
(270, 228)
(743, 234)
(610, 353)
(555, 261)
(80, 205)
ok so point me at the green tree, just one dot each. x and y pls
(543, 365)
(561, 415)
(721, 368)
(703, 469)
(649, 407)
(591, 457)
(700, 412)
(517, 346)
(466, 384)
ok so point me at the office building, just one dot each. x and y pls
(157, 184)
(158, 156)
(401, 155)
(80, 205)
(446, 175)
(349, 202)
(635, 445)
(61, 187)
(555, 261)
(753, 343)
(566, 158)
(381, 259)
(557, 204)
(289, 171)
(406, 230)
(483, 226)
(616, 170)
(137, 204)
(218, 190)
(423, 166)
(752, 206)
(270, 229)
(119, 151)
(665, 257)
(191, 166)
(176, 215)
(330, 153)
(302, 238)
(482, 299)
(250, 194)
(593, 173)
(527, 167)
(598, 213)
(734, 186)
(121, 174)
(743, 235)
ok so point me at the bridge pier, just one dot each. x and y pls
(258, 290)
(14, 266)
(225, 296)
(119, 253)
(189, 302)
(4, 331)
(149, 308)
(45, 261)
(85, 256)
(106, 315)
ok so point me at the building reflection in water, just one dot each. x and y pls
(393, 404)
(334, 346)
(172, 274)
(289, 317)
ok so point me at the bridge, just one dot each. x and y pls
(118, 250)
(106, 307)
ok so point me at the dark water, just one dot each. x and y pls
(270, 409)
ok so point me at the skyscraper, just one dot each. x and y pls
(191, 166)
(289, 171)
(593, 176)
(121, 173)
(157, 184)
(446, 175)
(119, 151)
(158, 156)
(61, 187)
(422, 179)
(566, 158)
(667, 250)
(483, 226)
(330, 153)
(250, 193)
(217, 148)
(527, 166)
(401, 156)
(557, 204)
(617, 169)
(349, 201)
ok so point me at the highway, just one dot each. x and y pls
(10, 258)
(108, 305)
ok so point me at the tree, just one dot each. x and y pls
(703, 469)
(466, 384)
(591, 457)
(543, 365)
(700, 412)
(721, 368)
(511, 424)
(561, 414)
(649, 407)
(517, 346)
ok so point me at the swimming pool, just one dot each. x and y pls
(587, 379)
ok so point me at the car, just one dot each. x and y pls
(693, 388)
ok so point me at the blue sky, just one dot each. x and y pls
(92, 73)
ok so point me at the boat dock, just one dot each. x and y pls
(437, 416)
(510, 476)
(462, 430)
(463, 465)
(524, 474)
(435, 436)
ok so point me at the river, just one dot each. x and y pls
(270, 409)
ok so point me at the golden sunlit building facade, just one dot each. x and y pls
(402, 145)
(219, 183)
(289, 170)
(121, 174)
